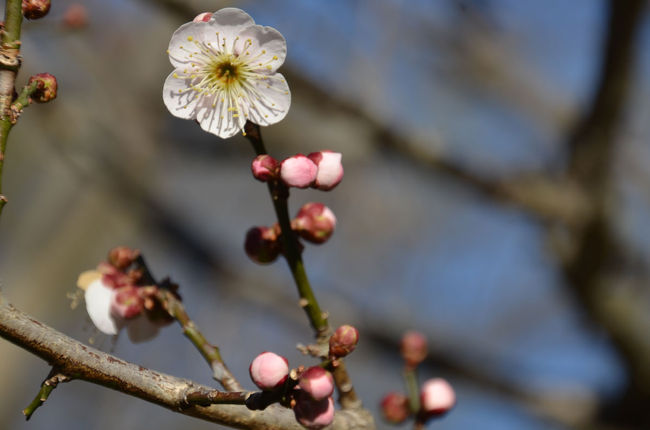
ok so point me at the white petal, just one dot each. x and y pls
(265, 52)
(220, 121)
(229, 22)
(273, 102)
(184, 40)
(98, 304)
(181, 103)
(141, 329)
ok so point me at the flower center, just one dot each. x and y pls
(228, 71)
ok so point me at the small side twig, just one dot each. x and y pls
(53, 379)
(210, 352)
(177, 311)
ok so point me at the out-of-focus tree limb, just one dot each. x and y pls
(592, 147)
(79, 361)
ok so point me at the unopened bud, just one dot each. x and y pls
(76, 16)
(436, 397)
(269, 370)
(330, 169)
(315, 222)
(344, 340)
(122, 257)
(265, 168)
(112, 277)
(413, 348)
(46, 87)
(35, 9)
(313, 414)
(317, 382)
(126, 302)
(395, 408)
(298, 171)
(261, 245)
(203, 17)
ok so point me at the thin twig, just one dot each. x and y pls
(177, 311)
(210, 352)
(53, 379)
(9, 65)
(317, 318)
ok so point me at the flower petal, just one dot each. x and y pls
(180, 102)
(229, 22)
(266, 50)
(272, 102)
(141, 329)
(221, 121)
(182, 45)
(98, 304)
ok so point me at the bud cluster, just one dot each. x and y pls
(436, 396)
(314, 223)
(117, 295)
(307, 391)
(321, 170)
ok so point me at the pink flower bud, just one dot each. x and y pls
(436, 397)
(126, 302)
(343, 341)
(35, 9)
(395, 407)
(76, 16)
(261, 245)
(330, 169)
(122, 257)
(203, 17)
(413, 348)
(265, 168)
(298, 171)
(46, 87)
(315, 222)
(313, 414)
(317, 382)
(269, 370)
(112, 277)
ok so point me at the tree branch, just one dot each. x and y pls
(79, 361)
(9, 65)
(622, 315)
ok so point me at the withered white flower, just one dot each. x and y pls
(226, 73)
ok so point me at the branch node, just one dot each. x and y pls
(53, 379)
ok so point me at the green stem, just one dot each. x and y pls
(412, 389)
(24, 98)
(53, 379)
(317, 318)
(279, 195)
(210, 352)
(176, 310)
(9, 65)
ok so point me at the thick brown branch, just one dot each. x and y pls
(82, 362)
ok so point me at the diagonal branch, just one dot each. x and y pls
(85, 363)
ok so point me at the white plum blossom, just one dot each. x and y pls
(100, 305)
(225, 73)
